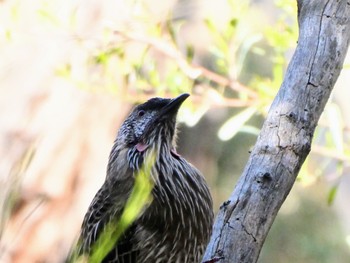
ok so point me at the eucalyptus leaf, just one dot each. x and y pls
(233, 125)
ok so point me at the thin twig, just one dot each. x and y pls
(191, 70)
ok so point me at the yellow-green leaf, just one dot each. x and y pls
(234, 124)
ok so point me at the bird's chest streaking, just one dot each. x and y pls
(177, 219)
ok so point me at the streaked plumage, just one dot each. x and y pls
(176, 225)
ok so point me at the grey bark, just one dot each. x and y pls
(245, 218)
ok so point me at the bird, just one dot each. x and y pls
(176, 224)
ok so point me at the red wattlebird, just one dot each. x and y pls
(176, 225)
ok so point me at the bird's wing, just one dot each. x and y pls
(125, 251)
(107, 206)
(97, 216)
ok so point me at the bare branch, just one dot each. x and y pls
(244, 220)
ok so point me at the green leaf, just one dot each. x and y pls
(189, 53)
(171, 30)
(232, 126)
(331, 195)
(139, 198)
(244, 50)
(192, 116)
(250, 130)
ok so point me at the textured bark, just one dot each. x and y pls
(245, 218)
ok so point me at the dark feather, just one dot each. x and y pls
(176, 225)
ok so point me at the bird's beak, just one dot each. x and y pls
(173, 106)
(167, 113)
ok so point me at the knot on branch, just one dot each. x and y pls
(263, 177)
(214, 259)
(296, 119)
(225, 204)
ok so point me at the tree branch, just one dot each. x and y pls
(244, 220)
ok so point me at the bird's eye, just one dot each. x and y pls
(141, 113)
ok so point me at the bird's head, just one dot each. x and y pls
(151, 122)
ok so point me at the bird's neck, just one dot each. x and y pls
(138, 153)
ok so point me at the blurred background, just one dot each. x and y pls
(70, 71)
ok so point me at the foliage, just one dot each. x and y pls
(139, 198)
(11, 191)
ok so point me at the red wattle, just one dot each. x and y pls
(141, 147)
